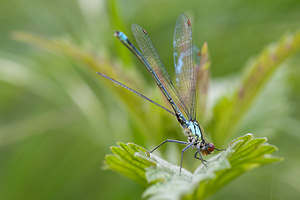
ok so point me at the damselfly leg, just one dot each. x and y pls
(181, 95)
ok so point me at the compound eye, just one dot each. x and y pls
(207, 149)
(210, 147)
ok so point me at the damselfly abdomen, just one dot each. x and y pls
(182, 96)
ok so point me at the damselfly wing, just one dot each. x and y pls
(182, 95)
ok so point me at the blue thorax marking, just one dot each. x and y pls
(193, 126)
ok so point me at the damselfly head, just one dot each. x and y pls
(207, 149)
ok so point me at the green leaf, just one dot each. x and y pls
(117, 24)
(230, 110)
(95, 63)
(242, 155)
(203, 81)
(128, 161)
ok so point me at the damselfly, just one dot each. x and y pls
(181, 97)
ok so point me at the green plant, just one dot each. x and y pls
(164, 181)
(243, 153)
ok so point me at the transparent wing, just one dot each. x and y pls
(184, 64)
(151, 56)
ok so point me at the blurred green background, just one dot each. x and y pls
(58, 119)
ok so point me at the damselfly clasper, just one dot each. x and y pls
(182, 95)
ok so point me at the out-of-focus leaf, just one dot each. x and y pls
(116, 23)
(66, 48)
(229, 111)
(95, 63)
(203, 80)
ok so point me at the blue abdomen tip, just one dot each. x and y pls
(121, 35)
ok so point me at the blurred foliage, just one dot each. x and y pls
(58, 118)
(229, 111)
